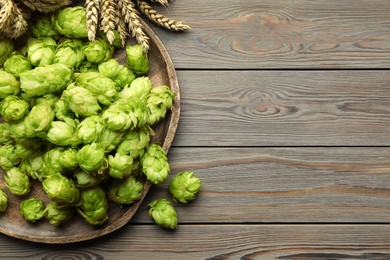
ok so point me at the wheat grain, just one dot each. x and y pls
(121, 26)
(12, 22)
(132, 19)
(108, 21)
(160, 19)
(92, 9)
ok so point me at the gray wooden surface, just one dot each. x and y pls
(286, 119)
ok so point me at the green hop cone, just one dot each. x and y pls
(125, 191)
(43, 28)
(91, 158)
(120, 166)
(85, 179)
(62, 133)
(31, 209)
(71, 22)
(57, 214)
(69, 52)
(126, 114)
(139, 87)
(68, 158)
(3, 201)
(90, 129)
(163, 213)
(5, 133)
(40, 52)
(101, 87)
(13, 108)
(184, 186)
(155, 164)
(159, 101)
(51, 162)
(87, 66)
(32, 165)
(98, 51)
(93, 206)
(42, 80)
(110, 139)
(81, 101)
(8, 156)
(8, 84)
(61, 189)
(6, 49)
(120, 74)
(17, 182)
(17, 64)
(135, 142)
(38, 121)
(62, 110)
(137, 59)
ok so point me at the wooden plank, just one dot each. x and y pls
(282, 185)
(284, 108)
(257, 34)
(219, 242)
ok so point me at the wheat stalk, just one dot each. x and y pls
(108, 22)
(131, 18)
(92, 10)
(12, 22)
(161, 20)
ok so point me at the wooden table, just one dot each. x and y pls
(286, 119)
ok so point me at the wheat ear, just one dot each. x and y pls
(132, 19)
(12, 22)
(161, 20)
(162, 2)
(121, 26)
(45, 6)
(108, 22)
(92, 9)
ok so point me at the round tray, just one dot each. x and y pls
(76, 229)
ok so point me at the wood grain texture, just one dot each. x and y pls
(291, 242)
(284, 185)
(284, 108)
(295, 34)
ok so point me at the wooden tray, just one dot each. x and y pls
(76, 229)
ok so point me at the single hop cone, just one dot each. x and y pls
(184, 186)
(163, 213)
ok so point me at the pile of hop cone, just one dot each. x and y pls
(115, 18)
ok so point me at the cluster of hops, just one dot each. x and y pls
(115, 19)
(77, 121)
